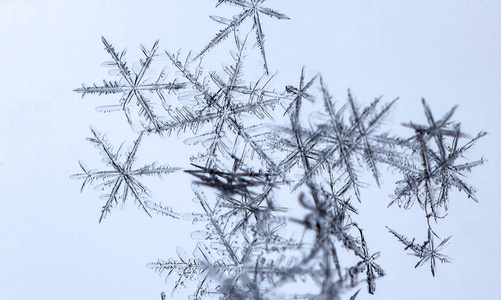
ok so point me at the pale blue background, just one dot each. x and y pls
(51, 245)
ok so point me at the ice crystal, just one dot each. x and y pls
(122, 180)
(251, 9)
(132, 85)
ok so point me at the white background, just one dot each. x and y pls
(51, 245)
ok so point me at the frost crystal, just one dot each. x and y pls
(257, 144)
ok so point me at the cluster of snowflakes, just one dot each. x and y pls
(245, 252)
